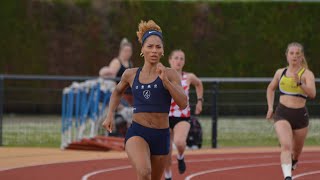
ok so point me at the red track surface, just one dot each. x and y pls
(244, 166)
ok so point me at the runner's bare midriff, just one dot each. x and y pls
(152, 120)
(292, 101)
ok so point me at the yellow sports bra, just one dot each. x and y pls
(288, 86)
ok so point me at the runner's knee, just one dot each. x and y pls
(144, 173)
(180, 143)
(286, 147)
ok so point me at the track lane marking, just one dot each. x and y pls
(240, 167)
(87, 176)
(93, 173)
(305, 174)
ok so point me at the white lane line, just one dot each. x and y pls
(231, 158)
(239, 167)
(306, 174)
(306, 154)
(227, 169)
(93, 173)
(87, 176)
(55, 163)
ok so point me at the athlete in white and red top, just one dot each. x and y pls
(179, 118)
(175, 111)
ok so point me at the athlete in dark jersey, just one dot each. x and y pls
(147, 140)
(118, 65)
(122, 69)
(127, 94)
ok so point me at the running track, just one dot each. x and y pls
(241, 166)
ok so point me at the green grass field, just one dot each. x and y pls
(31, 130)
(44, 131)
(250, 131)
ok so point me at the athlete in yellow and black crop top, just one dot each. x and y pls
(291, 117)
(288, 86)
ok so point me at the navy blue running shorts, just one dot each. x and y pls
(157, 139)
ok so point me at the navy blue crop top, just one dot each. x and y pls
(152, 97)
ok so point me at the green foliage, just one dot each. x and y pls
(220, 39)
(21, 43)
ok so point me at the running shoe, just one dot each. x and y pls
(294, 164)
(181, 166)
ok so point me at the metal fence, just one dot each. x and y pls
(41, 95)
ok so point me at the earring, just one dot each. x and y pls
(162, 54)
(141, 54)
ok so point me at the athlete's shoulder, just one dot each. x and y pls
(172, 74)
(280, 70)
(171, 71)
(308, 72)
(190, 74)
(130, 71)
(278, 73)
(115, 61)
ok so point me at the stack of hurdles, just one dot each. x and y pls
(84, 106)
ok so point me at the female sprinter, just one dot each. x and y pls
(147, 141)
(296, 83)
(179, 118)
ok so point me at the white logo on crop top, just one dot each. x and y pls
(149, 86)
(146, 94)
